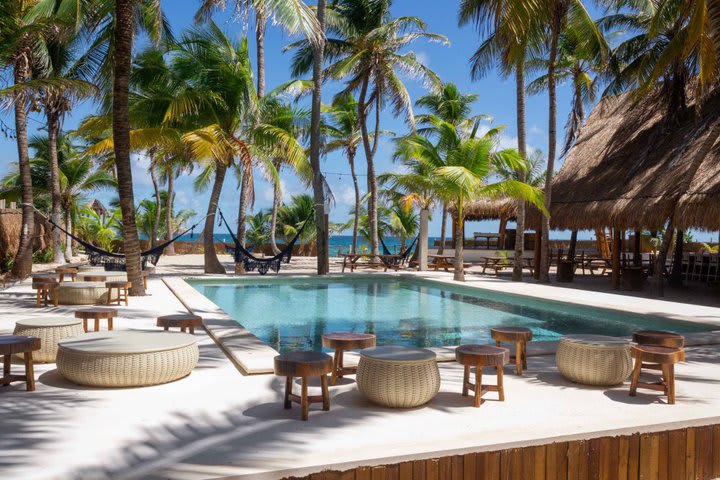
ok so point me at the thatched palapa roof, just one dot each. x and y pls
(629, 168)
(488, 209)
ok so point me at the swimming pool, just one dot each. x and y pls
(293, 313)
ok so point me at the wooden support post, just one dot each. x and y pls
(536, 259)
(637, 253)
(616, 247)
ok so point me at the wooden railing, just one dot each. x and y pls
(684, 454)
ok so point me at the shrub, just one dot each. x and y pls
(6, 264)
(43, 256)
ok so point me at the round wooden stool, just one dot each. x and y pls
(341, 341)
(62, 271)
(11, 345)
(480, 356)
(94, 278)
(654, 357)
(304, 365)
(122, 291)
(517, 335)
(96, 313)
(659, 337)
(47, 289)
(184, 321)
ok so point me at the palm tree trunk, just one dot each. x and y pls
(459, 273)
(121, 135)
(242, 207)
(552, 139)
(356, 220)
(56, 212)
(22, 267)
(212, 264)
(371, 180)
(273, 216)
(156, 221)
(170, 249)
(522, 148)
(443, 228)
(260, 24)
(323, 259)
(68, 238)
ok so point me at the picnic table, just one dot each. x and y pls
(500, 263)
(446, 262)
(352, 260)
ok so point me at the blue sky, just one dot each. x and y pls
(496, 98)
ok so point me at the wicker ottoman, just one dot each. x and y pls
(82, 293)
(91, 268)
(398, 377)
(127, 358)
(49, 331)
(594, 359)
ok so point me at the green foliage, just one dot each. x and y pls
(6, 264)
(101, 231)
(43, 256)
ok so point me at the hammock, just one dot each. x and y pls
(261, 265)
(400, 259)
(116, 261)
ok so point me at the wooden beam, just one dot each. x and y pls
(637, 253)
(616, 247)
(536, 259)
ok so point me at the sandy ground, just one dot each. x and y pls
(219, 423)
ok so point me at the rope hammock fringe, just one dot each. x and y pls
(402, 258)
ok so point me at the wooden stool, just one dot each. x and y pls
(96, 313)
(654, 357)
(185, 321)
(520, 336)
(480, 356)
(145, 277)
(62, 271)
(94, 278)
(122, 291)
(46, 287)
(659, 338)
(304, 365)
(11, 345)
(341, 341)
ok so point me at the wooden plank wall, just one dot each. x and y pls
(686, 454)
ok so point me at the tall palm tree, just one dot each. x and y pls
(342, 130)
(509, 34)
(367, 54)
(454, 107)
(20, 51)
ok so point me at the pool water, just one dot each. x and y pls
(292, 314)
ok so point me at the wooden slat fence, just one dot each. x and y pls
(685, 454)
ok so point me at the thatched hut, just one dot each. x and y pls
(10, 227)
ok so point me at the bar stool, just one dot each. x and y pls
(96, 313)
(304, 365)
(18, 344)
(480, 356)
(655, 357)
(122, 291)
(518, 335)
(341, 341)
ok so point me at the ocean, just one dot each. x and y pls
(336, 242)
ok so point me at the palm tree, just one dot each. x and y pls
(509, 34)
(259, 229)
(21, 50)
(368, 56)
(342, 130)
(99, 230)
(453, 107)
(292, 217)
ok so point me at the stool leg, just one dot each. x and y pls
(126, 296)
(336, 367)
(182, 329)
(191, 329)
(85, 324)
(109, 299)
(6, 368)
(55, 296)
(29, 372)
(524, 352)
(466, 379)
(37, 298)
(341, 363)
(478, 386)
(145, 282)
(304, 399)
(325, 393)
(288, 391)
(635, 376)
(670, 380)
(518, 359)
(167, 328)
(97, 324)
(500, 386)
(110, 323)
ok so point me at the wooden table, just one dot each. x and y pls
(96, 313)
(352, 260)
(498, 264)
(442, 261)
(18, 344)
(341, 341)
(304, 365)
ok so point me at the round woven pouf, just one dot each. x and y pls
(127, 358)
(50, 331)
(398, 377)
(594, 359)
(82, 293)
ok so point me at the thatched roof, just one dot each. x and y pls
(629, 167)
(487, 209)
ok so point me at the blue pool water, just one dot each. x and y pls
(292, 314)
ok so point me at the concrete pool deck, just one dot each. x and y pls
(220, 423)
